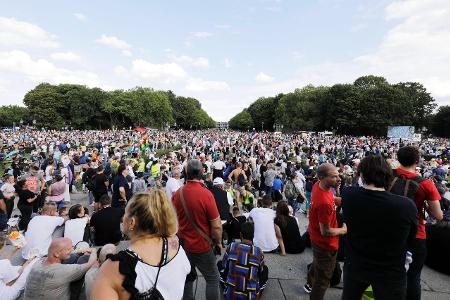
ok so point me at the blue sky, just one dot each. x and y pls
(224, 53)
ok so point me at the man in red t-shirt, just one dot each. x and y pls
(323, 231)
(202, 207)
(408, 158)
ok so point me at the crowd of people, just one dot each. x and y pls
(216, 201)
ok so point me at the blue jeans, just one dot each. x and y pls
(295, 205)
(58, 204)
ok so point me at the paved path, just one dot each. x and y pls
(288, 274)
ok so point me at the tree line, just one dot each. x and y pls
(79, 107)
(366, 107)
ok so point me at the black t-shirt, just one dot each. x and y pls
(24, 195)
(106, 223)
(262, 170)
(99, 184)
(379, 226)
(292, 239)
(220, 196)
(119, 181)
(234, 227)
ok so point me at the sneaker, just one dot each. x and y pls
(307, 288)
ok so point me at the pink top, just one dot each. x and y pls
(57, 190)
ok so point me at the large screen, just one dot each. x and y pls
(400, 132)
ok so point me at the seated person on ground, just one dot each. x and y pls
(106, 223)
(243, 272)
(40, 230)
(50, 279)
(234, 224)
(12, 278)
(290, 232)
(267, 233)
(75, 227)
(103, 254)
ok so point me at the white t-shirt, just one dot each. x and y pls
(74, 229)
(219, 165)
(8, 189)
(39, 234)
(265, 237)
(172, 186)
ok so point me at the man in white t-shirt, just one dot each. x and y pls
(40, 230)
(173, 183)
(218, 167)
(267, 235)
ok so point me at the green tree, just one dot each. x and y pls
(11, 114)
(45, 104)
(263, 112)
(440, 123)
(241, 121)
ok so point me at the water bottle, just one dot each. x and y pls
(408, 260)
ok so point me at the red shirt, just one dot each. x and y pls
(323, 210)
(427, 191)
(202, 207)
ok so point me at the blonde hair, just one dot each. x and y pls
(154, 213)
(49, 207)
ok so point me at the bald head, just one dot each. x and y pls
(324, 170)
(60, 248)
(107, 249)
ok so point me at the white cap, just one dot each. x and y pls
(218, 181)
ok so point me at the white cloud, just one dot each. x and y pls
(159, 73)
(41, 70)
(263, 78)
(19, 33)
(120, 71)
(201, 34)
(116, 43)
(228, 63)
(297, 55)
(80, 17)
(188, 61)
(65, 56)
(127, 53)
(223, 26)
(200, 85)
(416, 49)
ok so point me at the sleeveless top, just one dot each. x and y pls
(140, 276)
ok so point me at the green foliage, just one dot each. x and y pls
(241, 121)
(188, 113)
(366, 107)
(92, 108)
(13, 114)
(440, 124)
(262, 112)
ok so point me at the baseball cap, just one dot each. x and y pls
(218, 181)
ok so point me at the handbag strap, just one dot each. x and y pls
(188, 215)
(164, 256)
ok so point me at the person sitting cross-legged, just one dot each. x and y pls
(242, 270)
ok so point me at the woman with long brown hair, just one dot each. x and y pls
(290, 232)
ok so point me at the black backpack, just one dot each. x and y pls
(407, 187)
